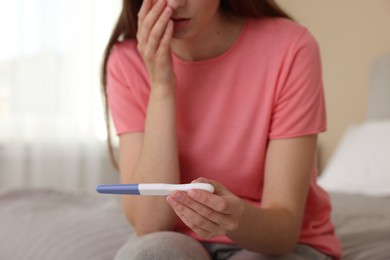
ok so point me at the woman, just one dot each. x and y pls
(227, 92)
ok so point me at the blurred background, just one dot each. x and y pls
(52, 132)
(351, 34)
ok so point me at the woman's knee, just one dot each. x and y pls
(162, 245)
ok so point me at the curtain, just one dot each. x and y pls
(52, 132)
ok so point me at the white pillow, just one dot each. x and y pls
(361, 162)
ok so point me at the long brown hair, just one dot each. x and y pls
(126, 28)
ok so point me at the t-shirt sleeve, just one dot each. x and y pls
(127, 109)
(299, 106)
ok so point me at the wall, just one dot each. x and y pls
(351, 33)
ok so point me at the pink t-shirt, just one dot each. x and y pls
(268, 85)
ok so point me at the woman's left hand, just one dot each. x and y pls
(208, 214)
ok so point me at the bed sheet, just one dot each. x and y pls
(363, 225)
(47, 224)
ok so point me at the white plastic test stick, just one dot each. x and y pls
(154, 189)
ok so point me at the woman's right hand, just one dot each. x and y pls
(155, 30)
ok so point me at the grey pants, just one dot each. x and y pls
(173, 245)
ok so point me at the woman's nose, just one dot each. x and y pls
(175, 4)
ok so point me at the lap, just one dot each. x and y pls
(162, 245)
(232, 252)
(172, 245)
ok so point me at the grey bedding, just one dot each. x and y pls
(47, 225)
(363, 225)
(50, 225)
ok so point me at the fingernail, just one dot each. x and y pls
(171, 200)
(196, 180)
(178, 196)
(193, 194)
(167, 11)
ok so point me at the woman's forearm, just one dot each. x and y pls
(275, 227)
(157, 151)
(158, 162)
(159, 156)
(273, 231)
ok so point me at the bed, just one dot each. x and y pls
(49, 224)
(358, 175)
(363, 225)
(358, 179)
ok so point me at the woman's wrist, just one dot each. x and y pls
(161, 90)
(269, 231)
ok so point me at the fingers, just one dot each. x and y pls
(154, 35)
(202, 219)
(160, 33)
(202, 209)
(208, 214)
(222, 200)
(149, 16)
(145, 8)
(196, 228)
(196, 221)
(219, 189)
(167, 37)
(216, 202)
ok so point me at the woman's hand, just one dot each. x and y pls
(208, 215)
(155, 30)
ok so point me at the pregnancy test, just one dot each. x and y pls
(156, 189)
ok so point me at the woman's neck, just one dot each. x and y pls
(215, 40)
